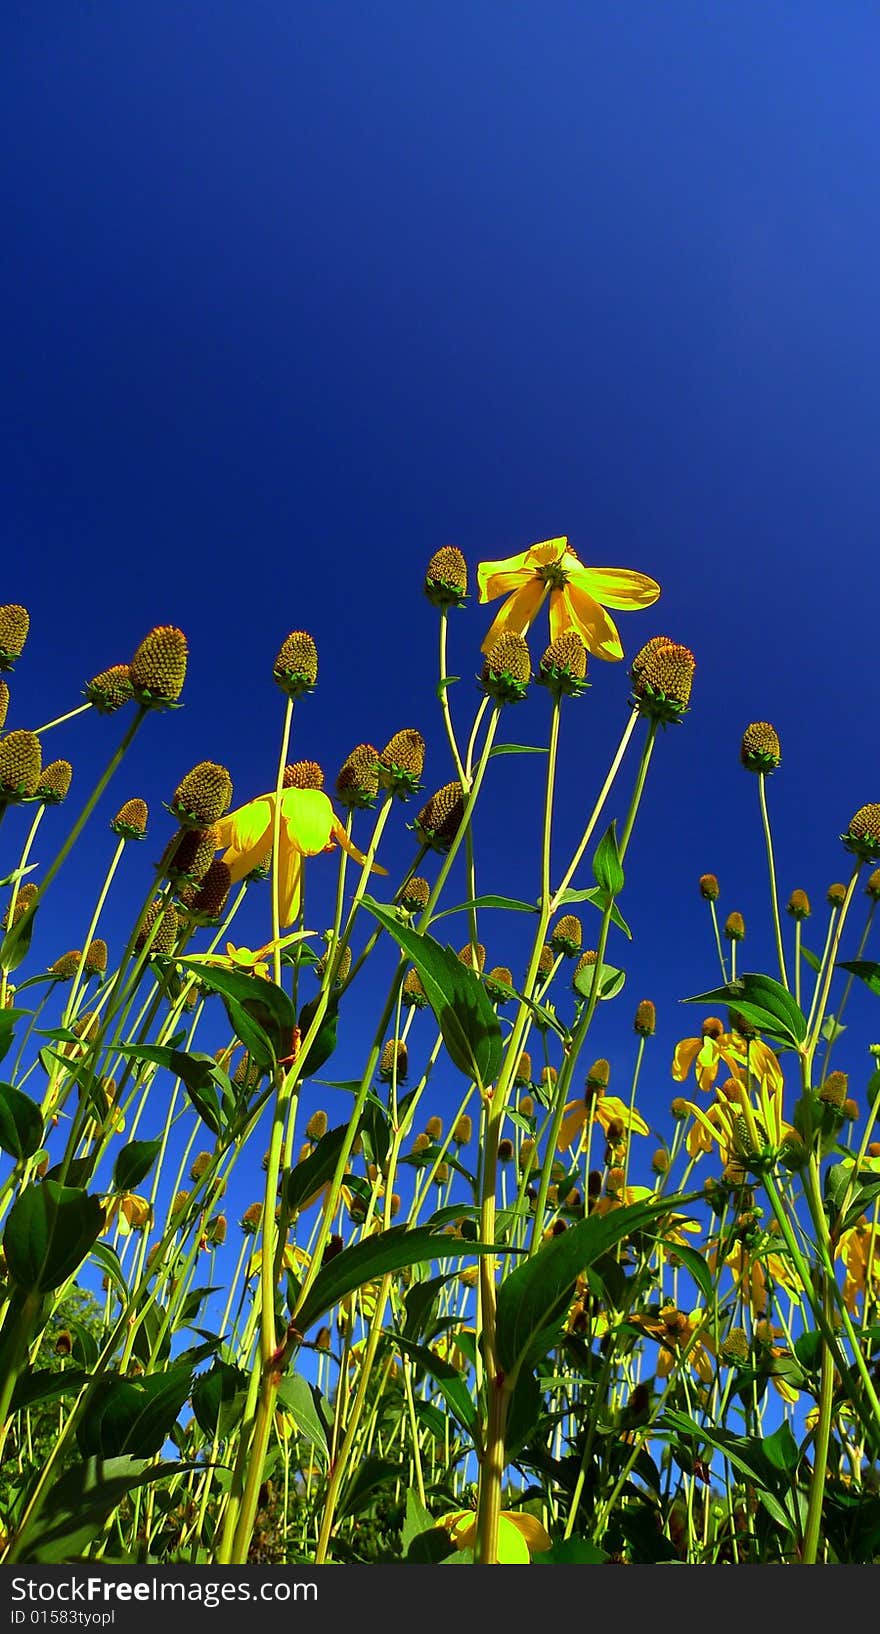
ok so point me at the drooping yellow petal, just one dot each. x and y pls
(243, 829)
(685, 1055)
(575, 609)
(617, 587)
(611, 1106)
(307, 819)
(502, 578)
(339, 834)
(573, 1119)
(516, 613)
(548, 552)
(536, 1537)
(289, 880)
(513, 1550)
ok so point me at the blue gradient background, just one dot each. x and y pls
(294, 294)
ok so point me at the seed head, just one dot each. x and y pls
(210, 898)
(527, 1106)
(65, 968)
(96, 958)
(505, 1151)
(599, 1075)
(446, 579)
(188, 855)
(248, 1073)
(798, 905)
(645, 1023)
(402, 762)
(109, 690)
(296, 667)
(342, 969)
(473, 958)
(200, 1163)
(440, 819)
(394, 1062)
(862, 837)
(461, 1134)
(413, 992)
(660, 1160)
(709, 888)
(735, 1347)
(316, 1128)
(507, 669)
(422, 1142)
(415, 895)
(545, 961)
(662, 675)
(4, 704)
(498, 979)
(850, 1110)
(872, 888)
(760, 750)
(734, 927)
(567, 936)
(563, 666)
(523, 1073)
(834, 1089)
(252, 1219)
(165, 935)
(14, 625)
(528, 1157)
(585, 962)
(54, 782)
(130, 822)
(20, 766)
(203, 796)
(434, 1128)
(358, 782)
(158, 669)
(836, 896)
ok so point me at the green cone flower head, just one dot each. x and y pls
(188, 855)
(835, 896)
(402, 762)
(645, 1023)
(798, 905)
(446, 579)
(862, 837)
(203, 796)
(110, 689)
(358, 782)
(415, 895)
(158, 669)
(14, 625)
(20, 766)
(563, 666)
(498, 980)
(734, 927)
(95, 963)
(760, 750)
(164, 937)
(662, 675)
(130, 822)
(473, 958)
(54, 783)
(440, 818)
(567, 936)
(296, 667)
(394, 1062)
(507, 669)
(413, 994)
(303, 774)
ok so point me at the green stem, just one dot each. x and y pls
(774, 897)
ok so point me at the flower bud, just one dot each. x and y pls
(158, 669)
(759, 750)
(446, 578)
(296, 667)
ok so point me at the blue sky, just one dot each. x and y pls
(293, 295)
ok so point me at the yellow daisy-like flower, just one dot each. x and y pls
(599, 1108)
(705, 1054)
(579, 596)
(519, 1536)
(858, 1248)
(677, 1331)
(308, 825)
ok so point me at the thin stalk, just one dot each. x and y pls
(774, 896)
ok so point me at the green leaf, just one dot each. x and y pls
(44, 1384)
(781, 1449)
(255, 1006)
(745, 1454)
(79, 1504)
(391, 1250)
(448, 1380)
(324, 1042)
(866, 969)
(16, 943)
(135, 1162)
(763, 1002)
(416, 1520)
(831, 1029)
(316, 1170)
(21, 1123)
(611, 981)
(48, 1234)
(447, 681)
(132, 1417)
(607, 868)
(300, 1399)
(572, 1552)
(812, 959)
(456, 995)
(8, 1018)
(218, 1399)
(518, 749)
(372, 1473)
(201, 1078)
(108, 1259)
(694, 1262)
(533, 1299)
(511, 903)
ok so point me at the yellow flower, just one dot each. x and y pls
(751, 1273)
(308, 825)
(676, 1331)
(859, 1251)
(599, 1108)
(519, 1536)
(579, 595)
(708, 1051)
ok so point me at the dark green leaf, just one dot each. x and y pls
(763, 1002)
(300, 1399)
(607, 870)
(781, 1449)
(510, 903)
(517, 749)
(135, 1162)
(391, 1250)
(21, 1123)
(448, 1380)
(48, 1234)
(132, 1417)
(866, 969)
(316, 1170)
(79, 1504)
(218, 1399)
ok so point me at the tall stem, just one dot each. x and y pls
(774, 897)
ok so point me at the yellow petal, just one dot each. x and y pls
(683, 1059)
(516, 613)
(307, 818)
(347, 845)
(241, 830)
(534, 1533)
(617, 587)
(513, 1549)
(573, 1119)
(575, 609)
(548, 552)
(289, 880)
(611, 1106)
(502, 583)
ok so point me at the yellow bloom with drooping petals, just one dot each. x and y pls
(579, 596)
(677, 1331)
(705, 1054)
(599, 1108)
(751, 1271)
(308, 825)
(859, 1248)
(519, 1536)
